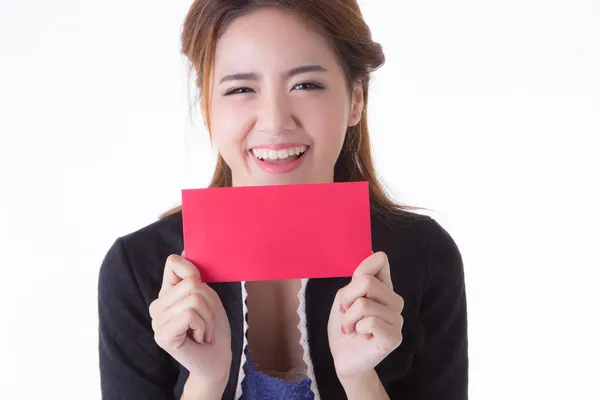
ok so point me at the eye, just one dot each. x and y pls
(238, 90)
(308, 86)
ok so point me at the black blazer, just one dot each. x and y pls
(426, 265)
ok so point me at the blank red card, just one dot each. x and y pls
(277, 232)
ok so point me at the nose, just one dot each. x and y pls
(275, 114)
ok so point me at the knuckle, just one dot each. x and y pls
(159, 339)
(378, 258)
(152, 309)
(370, 283)
(366, 280)
(383, 257)
(339, 296)
(187, 285)
(390, 343)
(400, 303)
(171, 259)
(156, 324)
(195, 283)
(362, 305)
(385, 346)
(196, 300)
(216, 300)
(188, 314)
(371, 323)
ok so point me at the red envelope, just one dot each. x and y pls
(277, 232)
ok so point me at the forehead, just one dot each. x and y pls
(269, 39)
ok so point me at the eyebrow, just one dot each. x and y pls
(253, 76)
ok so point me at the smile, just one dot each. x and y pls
(279, 159)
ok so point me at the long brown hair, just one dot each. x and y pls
(342, 23)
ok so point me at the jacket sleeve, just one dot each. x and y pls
(440, 370)
(132, 365)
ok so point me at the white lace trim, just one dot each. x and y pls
(304, 339)
(241, 374)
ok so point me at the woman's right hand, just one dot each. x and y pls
(190, 324)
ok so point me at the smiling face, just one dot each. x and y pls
(280, 105)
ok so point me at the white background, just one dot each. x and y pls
(486, 112)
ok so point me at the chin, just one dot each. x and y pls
(281, 179)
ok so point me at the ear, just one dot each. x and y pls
(356, 105)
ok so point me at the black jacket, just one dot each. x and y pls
(427, 271)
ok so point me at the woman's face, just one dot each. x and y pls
(279, 105)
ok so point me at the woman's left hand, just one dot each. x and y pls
(365, 323)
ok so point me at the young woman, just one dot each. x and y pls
(284, 87)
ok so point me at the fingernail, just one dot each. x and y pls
(342, 309)
(343, 330)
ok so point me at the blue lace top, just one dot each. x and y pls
(260, 386)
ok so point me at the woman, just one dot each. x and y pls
(284, 88)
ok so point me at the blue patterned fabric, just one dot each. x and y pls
(260, 386)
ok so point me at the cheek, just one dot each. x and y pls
(326, 123)
(229, 127)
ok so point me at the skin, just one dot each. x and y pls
(313, 108)
(270, 105)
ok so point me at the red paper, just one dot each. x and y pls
(277, 232)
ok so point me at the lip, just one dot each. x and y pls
(279, 168)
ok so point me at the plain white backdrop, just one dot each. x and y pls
(486, 112)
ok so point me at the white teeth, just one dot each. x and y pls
(278, 154)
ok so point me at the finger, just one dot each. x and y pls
(177, 268)
(376, 264)
(194, 301)
(387, 337)
(173, 335)
(372, 288)
(364, 308)
(182, 290)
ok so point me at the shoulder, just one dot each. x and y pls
(137, 259)
(405, 225)
(444, 262)
(153, 241)
(416, 236)
(425, 261)
(404, 238)
(424, 257)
